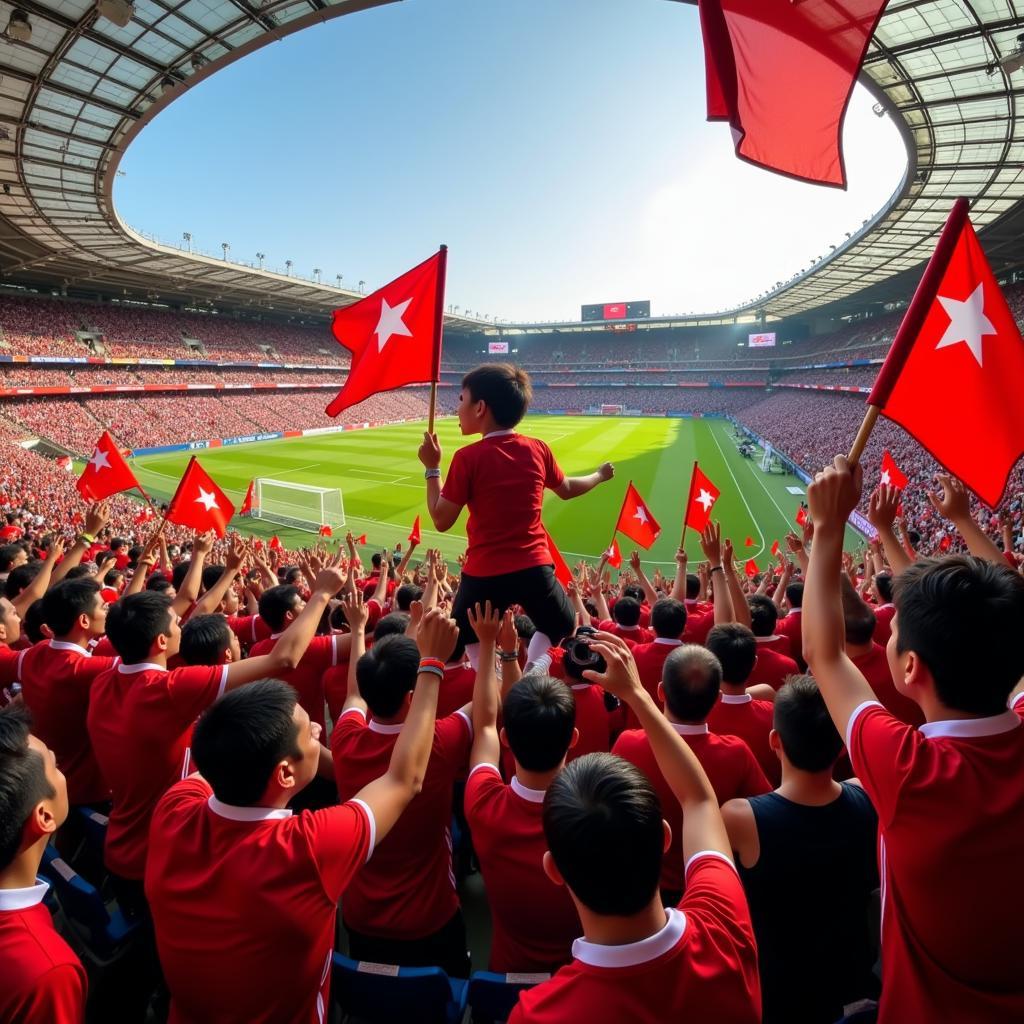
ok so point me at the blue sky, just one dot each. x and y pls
(558, 147)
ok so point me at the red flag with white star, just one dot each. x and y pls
(145, 515)
(394, 334)
(636, 520)
(199, 503)
(750, 568)
(614, 554)
(247, 501)
(703, 495)
(953, 375)
(892, 475)
(106, 472)
(562, 571)
(414, 533)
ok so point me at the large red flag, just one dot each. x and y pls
(703, 495)
(247, 501)
(892, 475)
(106, 472)
(636, 520)
(199, 503)
(954, 374)
(394, 334)
(782, 74)
(562, 571)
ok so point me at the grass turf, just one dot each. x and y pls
(382, 482)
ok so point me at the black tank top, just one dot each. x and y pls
(809, 896)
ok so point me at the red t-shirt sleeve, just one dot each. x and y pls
(483, 787)
(194, 688)
(754, 782)
(457, 484)
(715, 898)
(341, 840)
(453, 737)
(10, 665)
(58, 997)
(883, 752)
(553, 475)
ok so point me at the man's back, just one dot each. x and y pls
(950, 802)
(308, 676)
(407, 891)
(874, 666)
(700, 968)
(750, 720)
(772, 667)
(244, 901)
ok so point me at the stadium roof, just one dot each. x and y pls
(75, 94)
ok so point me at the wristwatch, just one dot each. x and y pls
(431, 474)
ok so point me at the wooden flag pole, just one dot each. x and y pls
(435, 376)
(686, 511)
(867, 425)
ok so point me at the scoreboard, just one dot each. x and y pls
(615, 310)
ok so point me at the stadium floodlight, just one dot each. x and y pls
(300, 506)
(316, 274)
(261, 256)
(120, 12)
(288, 268)
(226, 246)
(362, 284)
(337, 277)
(19, 28)
(186, 237)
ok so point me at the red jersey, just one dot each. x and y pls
(10, 671)
(631, 634)
(456, 688)
(950, 802)
(731, 769)
(11, 532)
(244, 901)
(502, 478)
(308, 676)
(702, 966)
(41, 979)
(776, 642)
(771, 667)
(698, 625)
(874, 666)
(884, 614)
(408, 890)
(249, 629)
(751, 720)
(56, 680)
(140, 724)
(534, 920)
(792, 627)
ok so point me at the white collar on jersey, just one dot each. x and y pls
(384, 728)
(736, 698)
(498, 433)
(142, 666)
(690, 730)
(233, 813)
(22, 899)
(971, 728)
(666, 642)
(63, 645)
(766, 639)
(633, 953)
(535, 796)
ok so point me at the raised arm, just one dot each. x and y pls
(388, 796)
(711, 544)
(650, 594)
(356, 615)
(798, 549)
(574, 486)
(882, 507)
(703, 828)
(95, 519)
(188, 592)
(953, 502)
(787, 573)
(486, 748)
(740, 608)
(679, 585)
(42, 581)
(442, 511)
(210, 601)
(832, 497)
(508, 653)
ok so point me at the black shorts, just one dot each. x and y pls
(535, 589)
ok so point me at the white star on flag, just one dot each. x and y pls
(100, 460)
(967, 322)
(391, 322)
(886, 479)
(641, 514)
(705, 499)
(207, 499)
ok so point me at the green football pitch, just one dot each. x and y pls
(381, 481)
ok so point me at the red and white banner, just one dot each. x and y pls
(766, 340)
(497, 348)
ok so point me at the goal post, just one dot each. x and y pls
(298, 505)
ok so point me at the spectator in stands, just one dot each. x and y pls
(806, 854)
(773, 665)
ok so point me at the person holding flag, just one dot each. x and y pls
(502, 479)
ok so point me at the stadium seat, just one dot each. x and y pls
(105, 935)
(94, 825)
(491, 997)
(385, 993)
(864, 1015)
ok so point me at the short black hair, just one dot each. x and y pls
(858, 618)
(692, 586)
(32, 621)
(159, 582)
(179, 572)
(668, 618)
(692, 680)
(883, 584)
(939, 602)
(806, 730)
(600, 813)
(276, 602)
(524, 627)
(211, 574)
(406, 594)
(134, 623)
(78, 572)
(539, 715)
(18, 579)
(633, 591)
(117, 543)
(204, 639)
(735, 647)
(291, 573)
(242, 736)
(386, 673)
(627, 611)
(763, 615)
(63, 604)
(23, 781)
(112, 577)
(505, 390)
(795, 594)
(8, 553)
(391, 624)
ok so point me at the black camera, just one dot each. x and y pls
(580, 656)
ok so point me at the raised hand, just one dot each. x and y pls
(430, 451)
(711, 543)
(437, 635)
(508, 637)
(330, 579)
(96, 518)
(953, 502)
(236, 554)
(356, 612)
(203, 543)
(621, 677)
(882, 506)
(486, 622)
(834, 494)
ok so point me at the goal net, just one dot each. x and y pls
(612, 409)
(298, 505)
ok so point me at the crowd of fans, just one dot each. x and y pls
(791, 798)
